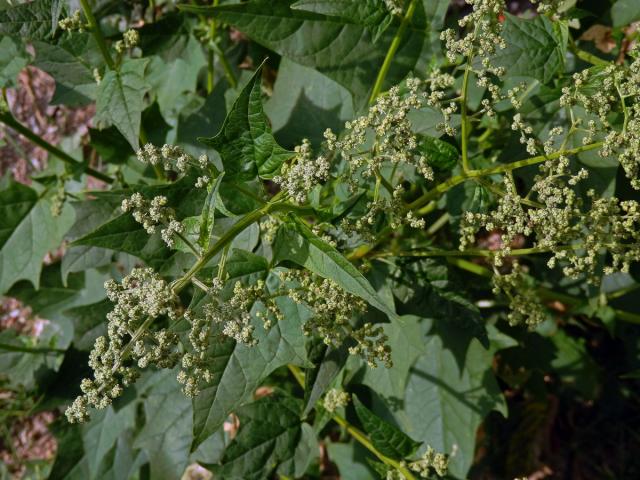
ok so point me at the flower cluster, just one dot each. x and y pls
(524, 302)
(130, 39)
(430, 462)
(394, 140)
(394, 6)
(335, 399)
(72, 23)
(483, 38)
(173, 157)
(333, 312)
(153, 213)
(129, 344)
(304, 172)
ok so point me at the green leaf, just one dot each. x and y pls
(166, 434)
(336, 47)
(238, 369)
(625, 12)
(120, 98)
(369, 13)
(245, 141)
(13, 58)
(385, 437)
(305, 103)
(89, 215)
(207, 216)
(27, 234)
(535, 47)
(89, 452)
(89, 322)
(270, 430)
(31, 20)
(407, 344)
(124, 234)
(440, 154)
(317, 380)
(172, 78)
(444, 403)
(70, 62)
(297, 243)
(351, 460)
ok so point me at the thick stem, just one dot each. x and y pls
(453, 181)
(465, 121)
(544, 293)
(97, 34)
(358, 435)
(393, 48)
(10, 121)
(238, 227)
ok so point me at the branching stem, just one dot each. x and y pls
(393, 48)
(356, 433)
(10, 121)
(97, 34)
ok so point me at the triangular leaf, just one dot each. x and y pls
(245, 141)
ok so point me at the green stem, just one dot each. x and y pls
(465, 121)
(393, 48)
(188, 243)
(453, 181)
(10, 121)
(18, 348)
(585, 56)
(238, 227)
(357, 434)
(97, 34)
(545, 293)
(226, 67)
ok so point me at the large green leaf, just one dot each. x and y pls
(385, 437)
(444, 403)
(535, 47)
(172, 78)
(13, 58)
(407, 344)
(70, 62)
(245, 141)
(124, 234)
(440, 154)
(166, 434)
(625, 12)
(337, 47)
(120, 98)
(31, 20)
(295, 242)
(28, 232)
(239, 369)
(90, 215)
(270, 430)
(305, 103)
(96, 451)
(369, 13)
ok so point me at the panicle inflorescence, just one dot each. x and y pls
(430, 461)
(300, 176)
(483, 38)
(130, 39)
(72, 23)
(173, 157)
(524, 302)
(152, 213)
(129, 344)
(335, 399)
(334, 309)
(394, 6)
